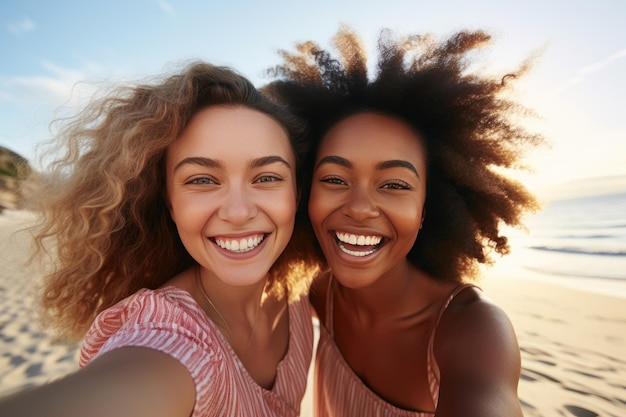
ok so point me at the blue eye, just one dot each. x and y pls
(268, 178)
(201, 181)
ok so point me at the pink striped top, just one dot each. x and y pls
(339, 392)
(169, 320)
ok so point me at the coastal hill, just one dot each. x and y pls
(14, 168)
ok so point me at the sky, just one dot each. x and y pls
(54, 54)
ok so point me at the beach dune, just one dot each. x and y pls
(572, 341)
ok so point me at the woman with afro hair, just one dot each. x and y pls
(407, 199)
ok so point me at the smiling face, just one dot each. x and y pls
(231, 190)
(367, 197)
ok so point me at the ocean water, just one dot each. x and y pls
(578, 242)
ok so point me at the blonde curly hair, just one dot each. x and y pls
(104, 221)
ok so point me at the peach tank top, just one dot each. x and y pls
(339, 392)
(169, 320)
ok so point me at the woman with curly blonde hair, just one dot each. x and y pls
(167, 217)
(407, 198)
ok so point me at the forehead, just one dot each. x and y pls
(375, 136)
(231, 131)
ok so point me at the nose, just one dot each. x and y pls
(361, 205)
(238, 205)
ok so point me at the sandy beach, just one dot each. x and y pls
(572, 344)
(28, 355)
(572, 341)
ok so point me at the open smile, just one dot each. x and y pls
(239, 245)
(358, 245)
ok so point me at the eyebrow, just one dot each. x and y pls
(398, 163)
(205, 162)
(393, 163)
(332, 159)
(268, 160)
(214, 163)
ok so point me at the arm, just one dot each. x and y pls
(129, 381)
(479, 361)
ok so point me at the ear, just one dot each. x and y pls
(423, 216)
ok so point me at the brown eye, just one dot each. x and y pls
(397, 185)
(333, 180)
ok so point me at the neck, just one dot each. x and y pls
(391, 296)
(233, 304)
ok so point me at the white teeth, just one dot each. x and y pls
(240, 245)
(355, 253)
(360, 240)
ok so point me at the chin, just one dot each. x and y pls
(356, 280)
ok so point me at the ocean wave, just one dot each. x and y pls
(614, 276)
(582, 236)
(579, 251)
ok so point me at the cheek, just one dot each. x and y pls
(287, 212)
(188, 211)
(282, 208)
(319, 206)
(409, 222)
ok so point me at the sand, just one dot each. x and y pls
(573, 346)
(28, 355)
(573, 342)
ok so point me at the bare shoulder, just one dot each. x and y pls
(476, 326)
(478, 357)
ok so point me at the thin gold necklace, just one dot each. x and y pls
(222, 319)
